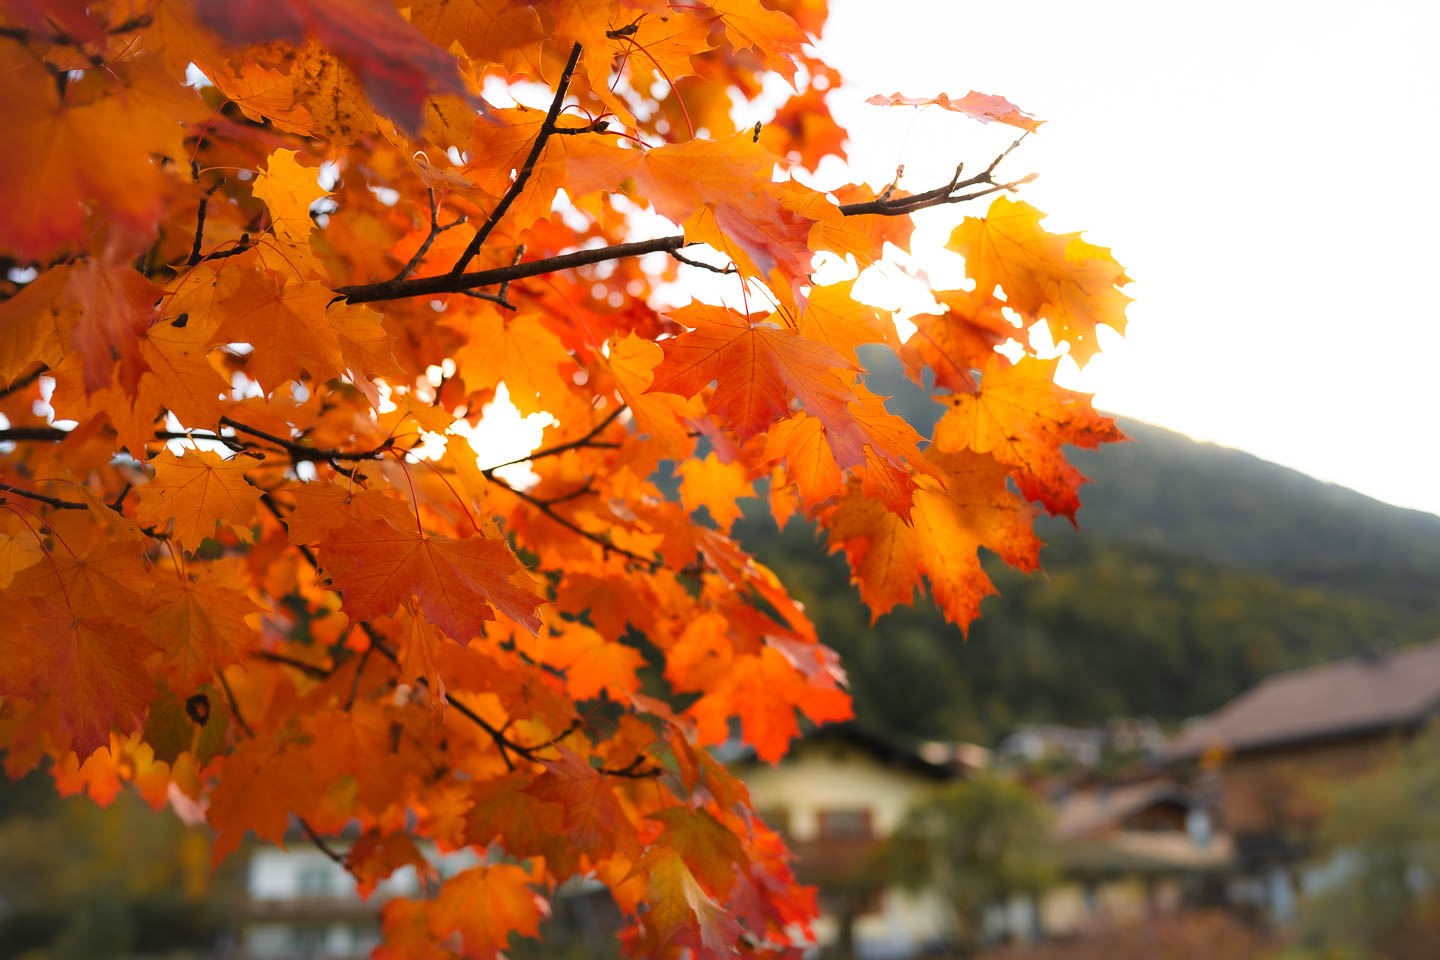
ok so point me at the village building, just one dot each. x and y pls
(1274, 748)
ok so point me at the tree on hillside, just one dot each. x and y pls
(253, 325)
(1376, 861)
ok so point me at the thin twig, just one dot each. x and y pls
(355, 682)
(55, 502)
(234, 705)
(435, 231)
(588, 440)
(460, 282)
(605, 545)
(518, 186)
(309, 669)
(299, 452)
(25, 381)
(677, 255)
(200, 223)
(501, 296)
(320, 843)
(33, 434)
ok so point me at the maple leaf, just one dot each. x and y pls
(260, 784)
(770, 33)
(800, 442)
(978, 106)
(679, 904)
(286, 325)
(592, 664)
(1019, 416)
(114, 305)
(179, 372)
(959, 341)
(377, 565)
(757, 369)
(716, 486)
(519, 351)
(832, 316)
(483, 906)
(376, 856)
(30, 325)
(765, 690)
(235, 428)
(49, 177)
(92, 666)
(710, 850)
(397, 65)
(593, 820)
(1059, 278)
(965, 507)
(200, 625)
(288, 190)
(199, 490)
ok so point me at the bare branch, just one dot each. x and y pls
(885, 206)
(435, 231)
(545, 507)
(676, 255)
(523, 177)
(458, 282)
(588, 440)
(55, 502)
(25, 381)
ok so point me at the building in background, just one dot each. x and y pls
(837, 795)
(1130, 851)
(302, 905)
(1275, 749)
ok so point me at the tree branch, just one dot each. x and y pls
(454, 282)
(586, 441)
(516, 188)
(460, 282)
(25, 381)
(299, 452)
(676, 255)
(435, 231)
(546, 507)
(888, 206)
(55, 502)
(33, 434)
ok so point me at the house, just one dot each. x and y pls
(302, 905)
(1129, 850)
(837, 794)
(1082, 746)
(1273, 746)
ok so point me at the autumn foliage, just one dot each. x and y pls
(269, 261)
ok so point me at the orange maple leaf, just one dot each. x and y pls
(377, 565)
(1059, 278)
(978, 106)
(1020, 417)
(200, 490)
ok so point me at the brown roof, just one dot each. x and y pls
(1367, 693)
(1094, 810)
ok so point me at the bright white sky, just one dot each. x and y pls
(1267, 171)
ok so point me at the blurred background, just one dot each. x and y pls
(1203, 731)
(1206, 728)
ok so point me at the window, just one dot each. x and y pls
(315, 881)
(853, 824)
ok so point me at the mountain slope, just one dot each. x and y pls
(1196, 571)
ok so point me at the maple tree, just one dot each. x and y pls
(269, 262)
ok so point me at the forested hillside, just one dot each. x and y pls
(1196, 571)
